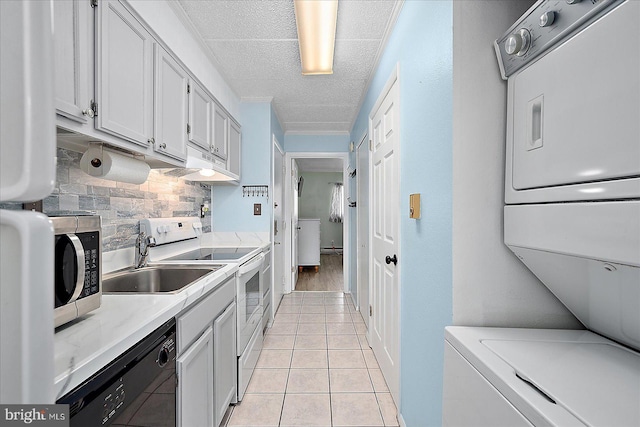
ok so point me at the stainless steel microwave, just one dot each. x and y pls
(78, 271)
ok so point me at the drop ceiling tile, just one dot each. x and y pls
(255, 59)
(311, 90)
(317, 127)
(354, 59)
(255, 43)
(295, 112)
(363, 20)
(242, 19)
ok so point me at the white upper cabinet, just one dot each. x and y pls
(200, 116)
(170, 106)
(234, 151)
(124, 74)
(220, 132)
(73, 59)
(116, 81)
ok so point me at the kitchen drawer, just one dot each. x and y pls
(193, 322)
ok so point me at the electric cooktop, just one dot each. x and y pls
(212, 254)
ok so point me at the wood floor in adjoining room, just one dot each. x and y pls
(316, 369)
(328, 278)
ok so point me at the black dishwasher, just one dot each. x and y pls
(136, 389)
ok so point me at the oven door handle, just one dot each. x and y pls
(77, 245)
(251, 265)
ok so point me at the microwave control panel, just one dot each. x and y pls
(92, 277)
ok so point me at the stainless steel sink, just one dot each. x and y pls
(155, 279)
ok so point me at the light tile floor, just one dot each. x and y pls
(316, 369)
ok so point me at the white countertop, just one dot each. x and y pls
(86, 345)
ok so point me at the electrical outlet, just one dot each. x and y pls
(257, 209)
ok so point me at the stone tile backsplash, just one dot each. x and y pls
(119, 204)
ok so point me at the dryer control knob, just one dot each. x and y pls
(547, 18)
(518, 42)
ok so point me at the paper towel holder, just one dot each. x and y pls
(98, 156)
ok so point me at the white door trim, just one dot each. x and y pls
(393, 79)
(359, 285)
(275, 146)
(289, 157)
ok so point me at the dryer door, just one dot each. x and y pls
(574, 114)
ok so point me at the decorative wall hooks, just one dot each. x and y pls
(255, 191)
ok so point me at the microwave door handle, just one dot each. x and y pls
(251, 265)
(77, 245)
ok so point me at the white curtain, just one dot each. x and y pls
(337, 205)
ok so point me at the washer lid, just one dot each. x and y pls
(599, 383)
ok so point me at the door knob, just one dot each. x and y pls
(390, 260)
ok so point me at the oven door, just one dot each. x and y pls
(249, 301)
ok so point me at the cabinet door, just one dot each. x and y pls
(72, 39)
(225, 361)
(234, 152)
(220, 132)
(170, 107)
(124, 77)
(195, 383)
(200, 115)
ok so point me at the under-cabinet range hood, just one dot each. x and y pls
(201, 167)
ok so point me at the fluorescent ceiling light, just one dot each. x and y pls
(316, 21)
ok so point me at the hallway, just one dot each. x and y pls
(328, 278)
(316, 369)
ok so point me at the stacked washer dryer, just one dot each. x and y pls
(572, 216)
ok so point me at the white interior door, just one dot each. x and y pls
(362, 243)
(278, 225)
(384, 331)
(294, 224)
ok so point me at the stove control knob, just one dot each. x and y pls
(547, 18)
(160, 229)
(518, 43)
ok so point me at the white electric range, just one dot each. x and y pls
(178, 241)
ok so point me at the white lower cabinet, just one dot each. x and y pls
(207, 362)
(225, 362)
(195, 383)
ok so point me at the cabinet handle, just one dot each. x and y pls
(151, 140)
(163, 145)
(88, 112)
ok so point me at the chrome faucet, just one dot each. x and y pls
(143, 243)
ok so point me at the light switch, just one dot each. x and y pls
(257, 209)
(414, 206)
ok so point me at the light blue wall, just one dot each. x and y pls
(421, 43)
(316, 143)
(231, 211)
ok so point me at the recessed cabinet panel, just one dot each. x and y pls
(72, 58)
(220, 132)
(225, 362)
(124, 74)
(195, 383)
(234, 151)
(170, 107)
(200, 115)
